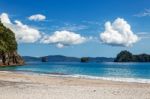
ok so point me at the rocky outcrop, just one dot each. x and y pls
(10, 58)
(126, 56)
(8, 48)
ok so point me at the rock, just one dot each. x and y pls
(45, 59)
(10, 59)
(8, 48)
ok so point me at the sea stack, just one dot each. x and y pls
(45, 59)
(8, 48)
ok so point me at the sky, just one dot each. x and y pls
(78, 27)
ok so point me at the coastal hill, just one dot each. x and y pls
(51, 58)
(8, 48)
(126, 56)
(123, 56)
(61, 58)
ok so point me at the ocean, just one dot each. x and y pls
(128, 72)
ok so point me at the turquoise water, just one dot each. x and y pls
(111, 70)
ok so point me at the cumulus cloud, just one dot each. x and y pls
(37, 17)
(63, 38)
(118, 33)
(23, 33)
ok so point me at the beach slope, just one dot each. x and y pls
(24, 86)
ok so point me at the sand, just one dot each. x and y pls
(24, 86)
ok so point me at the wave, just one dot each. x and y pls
(119, 79)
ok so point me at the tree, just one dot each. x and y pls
(8, 44)
(7, 39)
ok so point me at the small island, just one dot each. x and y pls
(84, 59)
(126, 56)
(44, 59)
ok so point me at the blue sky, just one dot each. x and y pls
(84, 17)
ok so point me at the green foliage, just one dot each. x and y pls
(7, 39)
(84, 59)
(125, 56)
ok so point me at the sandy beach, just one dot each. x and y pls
(24, 86)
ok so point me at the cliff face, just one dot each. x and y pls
(8, 48)
(10, 58)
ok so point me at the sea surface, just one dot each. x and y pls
(129, 72)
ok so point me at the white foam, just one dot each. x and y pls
(135, 80)
(120, 79)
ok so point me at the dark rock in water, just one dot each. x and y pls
(8, 48)
(84, 59)
(45, 59)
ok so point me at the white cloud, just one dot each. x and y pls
(63, 38)
(37, 17)
(59, 45)
(143, 14)
(5, 19)
(23, 33)
(118, 33)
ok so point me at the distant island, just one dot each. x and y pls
(8, 48)
(123, 56)
(61, 58)
(126, 56)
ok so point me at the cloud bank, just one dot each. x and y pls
(37, 17)
(23, 33)
(118, 33)
(63, 38)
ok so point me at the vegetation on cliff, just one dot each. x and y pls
(8, 47)
(126, 56)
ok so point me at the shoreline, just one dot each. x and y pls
(10, 65)
(113, 79)
(28, 86)
(22, 75)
